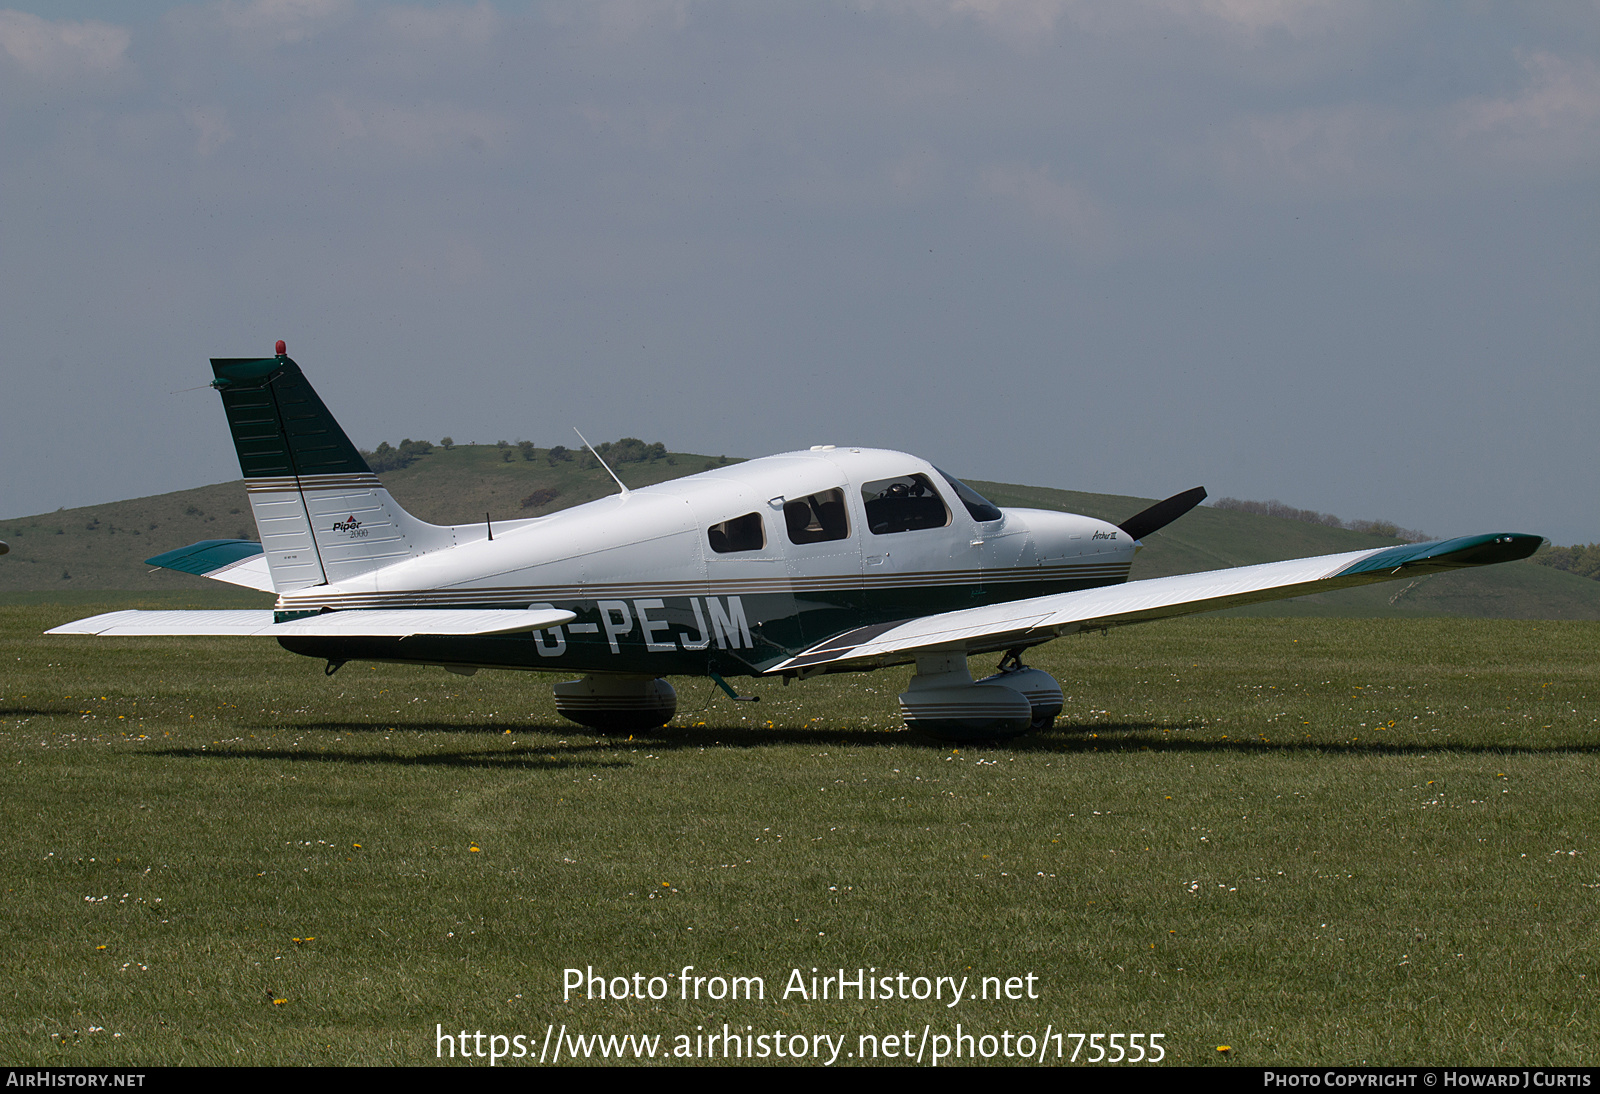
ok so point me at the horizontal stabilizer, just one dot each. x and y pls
(1041, 618)
(236, 561)
(386, 623)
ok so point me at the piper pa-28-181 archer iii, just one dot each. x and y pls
(831, 560)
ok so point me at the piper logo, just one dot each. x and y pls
(351, 525)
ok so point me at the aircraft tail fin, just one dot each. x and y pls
(322, 514)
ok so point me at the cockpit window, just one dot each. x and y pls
(903, 505)
(980, 507)
(744, 533)
(818, 518)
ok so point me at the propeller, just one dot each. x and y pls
(1162, 513)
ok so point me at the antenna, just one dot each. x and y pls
(603, 463)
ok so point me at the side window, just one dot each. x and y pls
(981, 508)
(903, 505)
(816, 519)
(739, 534)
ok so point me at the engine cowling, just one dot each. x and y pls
(617, 704)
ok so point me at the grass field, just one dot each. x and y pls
(1313, 840)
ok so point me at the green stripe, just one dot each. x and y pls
(1449, 554)
(207, 555)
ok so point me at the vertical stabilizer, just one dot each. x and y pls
(322, 514)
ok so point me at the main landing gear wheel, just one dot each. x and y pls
(617, 704)
(1039, 688)
(943, 701)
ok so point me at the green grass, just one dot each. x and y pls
(1316, 841)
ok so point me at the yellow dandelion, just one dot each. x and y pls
(1224, 1049)
(279, 1002)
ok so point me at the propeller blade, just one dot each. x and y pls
(1162, 513)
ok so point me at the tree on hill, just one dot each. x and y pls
(387, 457)
(1580, 559)
(1276, 508)
(631, 450)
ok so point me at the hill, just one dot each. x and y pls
(104, 546)
(70, 553)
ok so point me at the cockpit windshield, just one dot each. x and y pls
(980, 507)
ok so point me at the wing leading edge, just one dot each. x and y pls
(357, 623)
(1039, 619)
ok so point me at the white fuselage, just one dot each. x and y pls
(727, 571)
(655, 540)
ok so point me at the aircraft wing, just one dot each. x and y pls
(1039, 619)
(357, 623)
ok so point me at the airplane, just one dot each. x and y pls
(830, 560)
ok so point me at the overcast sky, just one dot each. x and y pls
(1342, 254)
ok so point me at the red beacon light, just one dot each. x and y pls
(281, 348)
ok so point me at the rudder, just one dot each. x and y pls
(322, 514)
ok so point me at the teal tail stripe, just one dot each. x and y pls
(280, 427)
(206, 556)
(1449, 554)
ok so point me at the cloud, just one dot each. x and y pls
(1550, 123)
(1019, 23)
(619, 18)
(429, 131)
(1340, 150)
(1553, 118)
(211, 128)
(1062, 207)
(1297, 18)
(260, 23)
(62, 51)
(1027, 23)
(433, 26)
